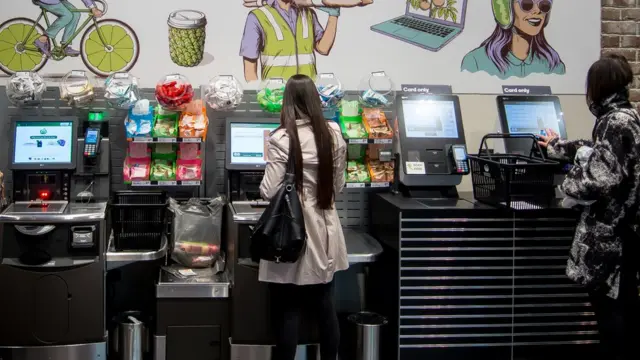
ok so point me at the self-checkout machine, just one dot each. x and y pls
(531, 110)
(53, 239)
(423, 225)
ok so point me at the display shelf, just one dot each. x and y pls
(351, 185)
(368, 141)
(166, 183)
(150, 140)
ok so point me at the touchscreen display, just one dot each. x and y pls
(430, 119)
(249, 142)
(531, 117)
(43, 142)
(459, 153)
(92, 137)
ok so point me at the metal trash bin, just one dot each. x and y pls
(129, 337)
(368, 334)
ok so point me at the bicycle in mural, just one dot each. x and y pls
(106, 46)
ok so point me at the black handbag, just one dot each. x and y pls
(280, 236)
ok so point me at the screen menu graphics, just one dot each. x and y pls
(250, 142)
(43, 142)
(430, 119)
(531, 117)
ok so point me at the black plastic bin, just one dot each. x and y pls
(139, 219)
(513, 181)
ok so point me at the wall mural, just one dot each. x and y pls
(428, 24)
(284, 36)
(474, 46)
(518, 45)
(105, 45)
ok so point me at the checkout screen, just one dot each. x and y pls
(249, 142)
(43, 142)
(430, 119)
(531, 117)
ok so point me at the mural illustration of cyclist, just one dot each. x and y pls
(106, 45)
(518, 46)
(66, 20)
(285, 35)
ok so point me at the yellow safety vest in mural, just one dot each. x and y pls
(284, 54)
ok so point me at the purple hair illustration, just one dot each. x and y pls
(517, 46)
(498, 46)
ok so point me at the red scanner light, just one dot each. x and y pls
(44, 195)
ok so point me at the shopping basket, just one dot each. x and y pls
(138, 219)
(513, 181)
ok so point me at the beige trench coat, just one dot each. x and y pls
(326, 251)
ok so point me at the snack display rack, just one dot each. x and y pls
(367, 131)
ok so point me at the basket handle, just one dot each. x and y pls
(535, 144)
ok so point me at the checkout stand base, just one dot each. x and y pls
(476, 282)
(93, 351)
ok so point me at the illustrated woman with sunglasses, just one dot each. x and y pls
(518, 46)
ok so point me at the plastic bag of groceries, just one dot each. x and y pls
(197, 232)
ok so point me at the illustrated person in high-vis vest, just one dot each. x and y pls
(283, 36)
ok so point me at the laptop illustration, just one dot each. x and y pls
(430, 28)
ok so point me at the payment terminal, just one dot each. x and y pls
(91, 142)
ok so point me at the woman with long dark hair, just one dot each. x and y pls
(517, 46)
(605, 255)
(320, 162)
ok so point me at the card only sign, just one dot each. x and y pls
(526, 90)
(426, 89)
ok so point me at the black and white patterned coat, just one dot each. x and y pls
(611, 177)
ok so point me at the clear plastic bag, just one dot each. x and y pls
(197, 232)
(25, 89)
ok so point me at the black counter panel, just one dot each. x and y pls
(474, 280)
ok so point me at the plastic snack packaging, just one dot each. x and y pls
(224, 93)
(357, 172)
(330, 90)
(174, 91)
(136, 169)
(139, 121)
(162, 170)
(76, 89)
(381, 171)
(349, 108)
(197, 229)
(194, 121)
(189, 151)
(271, 94)
(189, 170)
(376, 90)
(375, 121)
(121, 90)
(166, 123)
(138, 150)
(25, 89)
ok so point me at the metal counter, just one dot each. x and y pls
(361, 247)
(173, 287)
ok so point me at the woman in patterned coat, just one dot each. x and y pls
(605, 255)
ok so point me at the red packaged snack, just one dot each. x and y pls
(174, 91)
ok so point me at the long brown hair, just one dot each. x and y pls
(302, 102)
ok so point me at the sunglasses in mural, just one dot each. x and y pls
(106, 45)
(543, 5)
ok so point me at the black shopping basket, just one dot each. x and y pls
(138, 219)
(513, 181)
